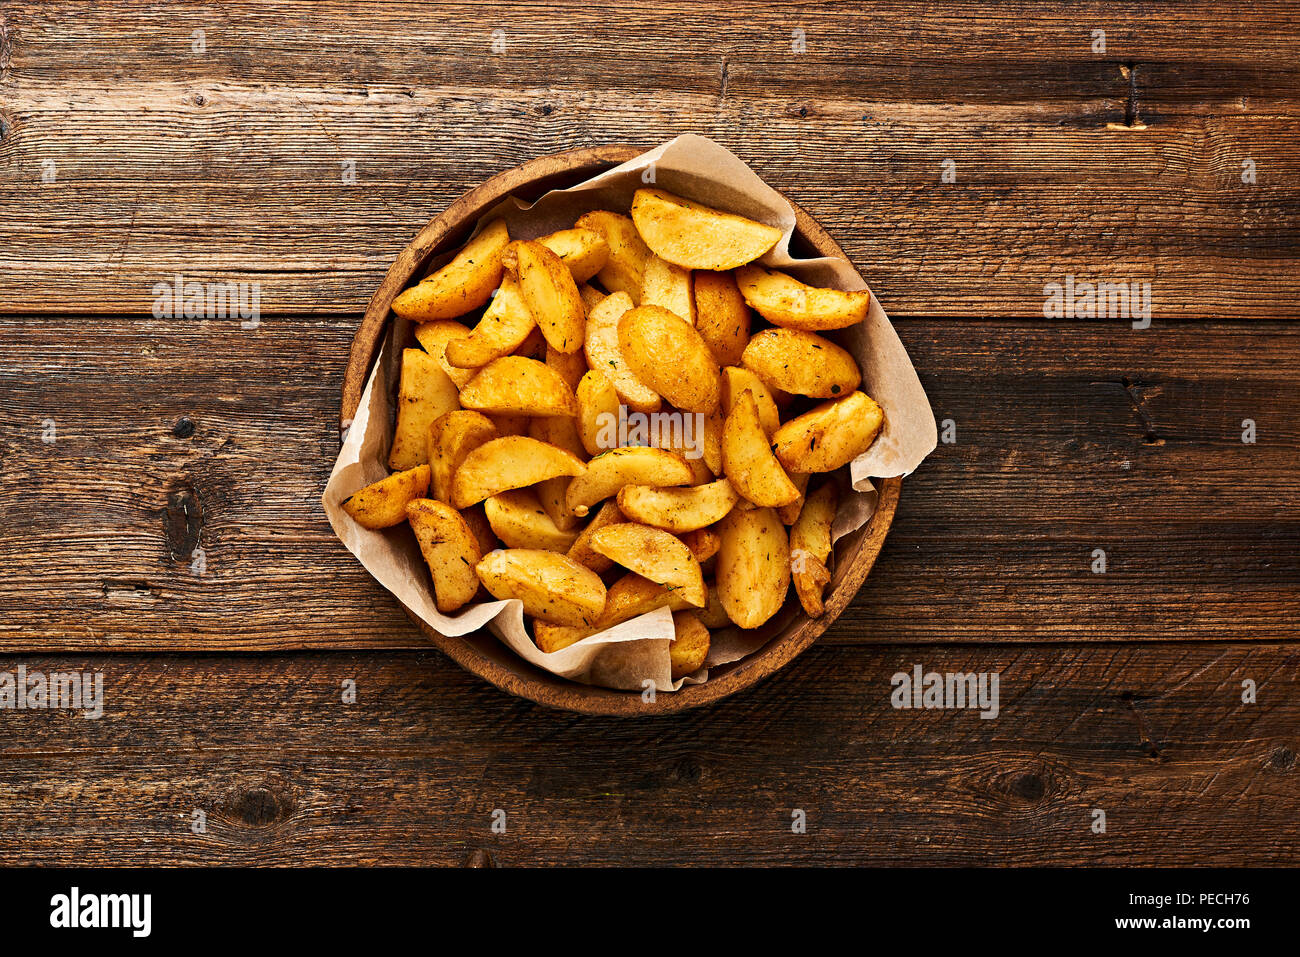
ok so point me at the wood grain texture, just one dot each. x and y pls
(1157, 736)
(1069, 437)
(227, 164)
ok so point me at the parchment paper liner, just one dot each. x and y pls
(627, 655)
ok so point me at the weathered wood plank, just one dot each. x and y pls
(1123, 166)
(1069, 437)
(1157, 737)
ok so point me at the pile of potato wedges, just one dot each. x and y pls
(621, 416)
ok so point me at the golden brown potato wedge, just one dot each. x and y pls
(597, 409)
(721, 316)
(610, 471)
(690, 646)
(753, 571)
(551, 295)
(654, 554)
(478, 524)
(552, 586)
(624, 270)
(571, 366)
(582, 552)
(829, 435)
(695, 236)
(591, 296)
(434, 337)
(504, 327)
(713, 615)
(665, 352)
(552, 638)
(512, 461)
(383, 504)
(703, 543)
(562, 432)
(583, 252)
(513, 385)
(810, 547)
(748, 461)
(605, 355)
(453, 436)
(424, 393)
(668, 286)
(632, 596)
(801, 362)
(789, 513)
(784, 301)
(737, 380)
(677, 509)
(449, 549)
(534, 347)
(461, 286)
(518, 519)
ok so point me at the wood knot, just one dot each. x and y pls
(688, 769)
(183, 428)
(183, 523)
(258, 805)
(1282, 759)
(1026, 785)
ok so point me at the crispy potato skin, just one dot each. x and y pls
(450, 549)
(748, 461)
(753, 570)
(597, 406)
(737, 380)
(654, 554)
(452, 436)
(512, 461)
(552, 587)
(624, 269)
(583, 252)
(810, 547)
(434, 338)
(784, 301)
(551, 638)
(677, 510)
(610, 471)
(633, 595)
(801, 362)
(695, 236)
(503, 328)
(424, 393)
(829, 435)
(690, 646)
(582, 552)
(551, 295)
(383, 504)
(461, 286)
(666, 353)
(721, 315)
(605, 354)
(669, 287)
(513, 385)
(518, 519)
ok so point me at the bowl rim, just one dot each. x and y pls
(520, 678)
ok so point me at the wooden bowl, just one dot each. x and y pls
(791, 631)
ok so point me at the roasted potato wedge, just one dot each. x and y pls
(810, 547)
(461, 286)
(534, 347)
(669, 287)
(424, 393)
(753, 571)
(512, 461)
(721, 316)
(504, 327)
(713, 615)
(434, 337)
(449, 549)
(695, 236)
(748, 461)
(571, 366)
(677, 510)
(736, 380)
(561, 432)
(605, 354)
(583, 252)
(654, 554)
(581, 551)
(689, 649)
(478, 524)
(624, 270)
(788, 514)
(552, 586)
(383, 504)
(801, 362)
(829, 435)
(513, 385)
(518, 519)
(610, 471)
(632, 596)
(665, 352)
(552, 638)
(453, 436)
(551, 295)
(597, 408)
(784, 301)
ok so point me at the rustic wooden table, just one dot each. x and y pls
(160, 478)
